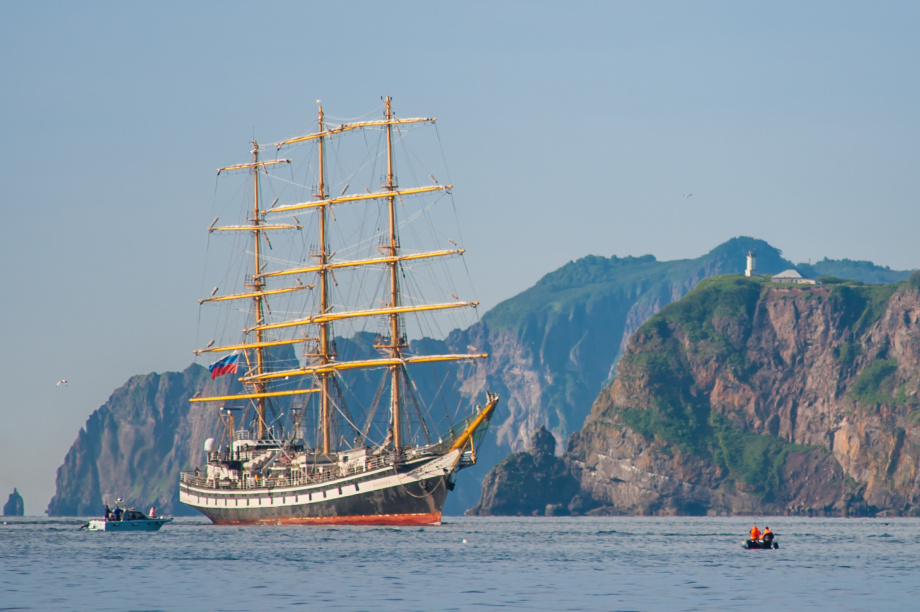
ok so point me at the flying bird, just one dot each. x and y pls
(688, 195)
(214, 290)
(63, 381)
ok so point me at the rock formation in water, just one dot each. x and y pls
(755, 397)
(528, 483)
(15, 506)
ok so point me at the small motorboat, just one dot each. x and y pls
(131, 520)
(767, 542)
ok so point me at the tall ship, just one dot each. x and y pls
(315, 429)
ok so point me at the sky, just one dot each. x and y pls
(568, 129)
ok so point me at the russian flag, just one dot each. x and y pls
(227, 365)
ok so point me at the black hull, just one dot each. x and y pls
(413, 495)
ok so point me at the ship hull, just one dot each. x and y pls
(410, 494)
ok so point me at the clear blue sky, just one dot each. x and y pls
(568, 128)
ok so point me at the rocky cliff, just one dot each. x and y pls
(134, 446)
(555, 346)
(754, 397)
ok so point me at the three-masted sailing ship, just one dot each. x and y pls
(329, 465)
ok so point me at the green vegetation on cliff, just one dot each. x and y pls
(557, 344)
(752, 459)
(875, 383)
(588, 280)
(862, 305)
(709, 330)
(570, 328)
(715, 319)
(863, 271)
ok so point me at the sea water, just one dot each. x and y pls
(465, 564)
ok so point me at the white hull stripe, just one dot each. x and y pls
(342, 488)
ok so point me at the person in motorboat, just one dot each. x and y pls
(116, 513)
(760, 540)
(153, 512)
(108, 512)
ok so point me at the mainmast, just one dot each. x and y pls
(324, 328)
(257, 284)
(395, 347)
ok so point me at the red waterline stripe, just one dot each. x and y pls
(427, 518)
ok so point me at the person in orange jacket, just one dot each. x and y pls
(755, 533)
(767, 535)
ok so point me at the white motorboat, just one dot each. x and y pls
(131, 520)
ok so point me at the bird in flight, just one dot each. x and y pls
(63, 381)
(688, 195)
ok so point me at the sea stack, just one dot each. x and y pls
(14, 506)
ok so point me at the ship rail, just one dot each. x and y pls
(299, 478)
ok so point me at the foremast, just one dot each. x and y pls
(325, 351)
(255, 283)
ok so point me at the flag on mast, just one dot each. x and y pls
(227, 365)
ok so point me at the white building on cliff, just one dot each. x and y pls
(791, 276)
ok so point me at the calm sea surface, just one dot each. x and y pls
(465, 564)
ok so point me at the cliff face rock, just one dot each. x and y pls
(753, 397)
(14, 506)
(553, 347)
(528, 483)
(134, 446)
